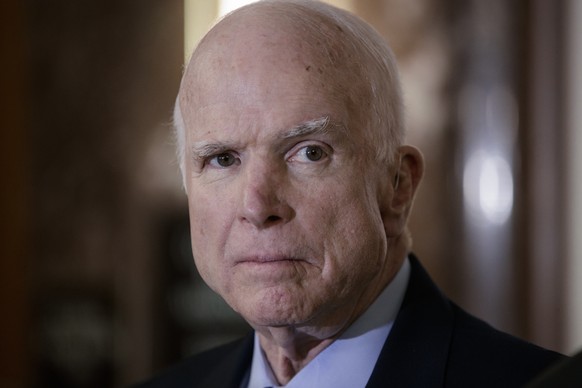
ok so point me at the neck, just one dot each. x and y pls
(288, 350)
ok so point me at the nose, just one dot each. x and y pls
(263, 196)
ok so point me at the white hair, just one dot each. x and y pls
(373, 67)
(180, 138)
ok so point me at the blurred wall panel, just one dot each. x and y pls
(103, 81)
(573, 273)
(542, 141)
(15, 239)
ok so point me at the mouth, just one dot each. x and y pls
(267, 259)
(272, 270)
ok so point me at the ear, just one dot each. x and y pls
(397, 200)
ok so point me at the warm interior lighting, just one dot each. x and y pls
(199, 17)
(225, 6)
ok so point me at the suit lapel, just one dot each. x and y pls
(230, 371)
(416, 351)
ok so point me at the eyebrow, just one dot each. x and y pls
(310, 127)
(322, 125)
(204, 149)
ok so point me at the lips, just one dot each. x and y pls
(270, 252)
(266, 259)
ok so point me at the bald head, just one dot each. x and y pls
(327, 48)
(290, 112)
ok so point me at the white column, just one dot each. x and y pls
(198, 18)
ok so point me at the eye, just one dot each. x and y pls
(223, 160)
(312, 153)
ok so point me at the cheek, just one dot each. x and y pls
(210, 214)
(354, 232)
(208, 230)
(199, 219)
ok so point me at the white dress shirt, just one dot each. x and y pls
(349, 360)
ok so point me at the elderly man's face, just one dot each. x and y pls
(285, 211)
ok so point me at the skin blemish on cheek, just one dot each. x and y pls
(307, 68)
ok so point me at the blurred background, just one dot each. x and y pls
(97, 283)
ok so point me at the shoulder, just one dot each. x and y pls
(482, 353)
(226, 361)
(566, 374)
(454, 348)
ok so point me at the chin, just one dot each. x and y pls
(276, 315)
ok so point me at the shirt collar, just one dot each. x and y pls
(349, 360)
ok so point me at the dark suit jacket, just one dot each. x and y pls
(564, 374)
(433, 343)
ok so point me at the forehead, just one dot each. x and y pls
(248, 48)
(260, 73)
(261, 111)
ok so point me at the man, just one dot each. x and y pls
(289, 119)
